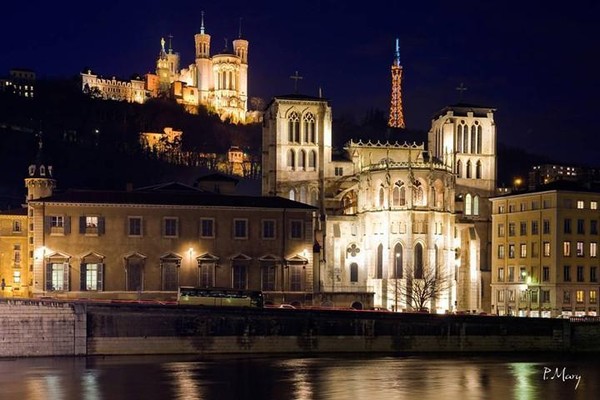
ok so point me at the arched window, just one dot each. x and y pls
(312, 159)
(302, 160)
(379, 272)
(419, 261)
(398, 260)
(473, 138)
(476, 205)
(396, 196)
(468, 172)
(418, 196)
(478, 169)
(459, 138)
(354, 272)
(381, 197)
(465, 139)
(294, 127)
(292, 194)
(309, 128)
(302, 194)
(479, 135)
(468, 204)
(291, 159)
(459, 169)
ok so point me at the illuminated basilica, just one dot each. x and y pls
(392, 215)
(219, 82)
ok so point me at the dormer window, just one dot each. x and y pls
(31, 170)
(42, 170)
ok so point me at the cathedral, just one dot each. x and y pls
(404, 222)
(219, 81)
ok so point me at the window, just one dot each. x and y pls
(523, 228)
(339, 171)
(240, 229)
(511, 274)
(567, 249)
(580, 252)
(534, 249)
(500, 230)
(501, 274)
(296, 229)
(593, 297)
(239, 274)
(567, 225)
(478, 170)
(16, 226)
(295, 278)
(354, 272)
(500, 296)
(302, 160)
(291, 159)
(57, 276)
(268, 276)
(459, 169)
(546, 227)
(207, 228)
(545, 296)
(511, 296)
(546, 249)
(312, 159)
(476, 205)
(593, 249)
(17, 255)
(511, 229)
(579, 296)
(468, 170)
(294, 127)
(535, 228)
(545, 274)
(567, 273)
(580, 226)
(170, 273)
(594, 227)
(593, 205)
(566, 297)
(500, 209)
(170, 227)
(522, 274)
(91, 276)
(580, 273)
(91, 225)
(500, 251)
(593, 274)
(134, 226)
(523, 250)
(511, 208)
(268, 229)
(309, 128)
(511, 251)
(580, 204)
(16, 277)
(57, 221)
(418, 260)
(398, 261)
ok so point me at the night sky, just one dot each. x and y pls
(537, 63)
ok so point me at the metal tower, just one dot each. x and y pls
(396, 113)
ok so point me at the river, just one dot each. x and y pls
(437, 377)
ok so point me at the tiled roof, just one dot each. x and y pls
(173, 198)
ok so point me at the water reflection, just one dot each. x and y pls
(301, 378)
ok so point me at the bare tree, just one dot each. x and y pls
(424, 287)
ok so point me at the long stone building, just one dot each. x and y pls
(395, 217)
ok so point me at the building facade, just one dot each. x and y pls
(394, 216)
(20, 82)
(545, 260)
(14, 270)
(145, 243)
(218, 82)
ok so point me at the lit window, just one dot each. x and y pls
(546, 249)
(593, 297)
(580, 252)
(501, 274)
(567, 249)
(523, 250)
(17, 277)
(593, 205)
(593, 249)
(579, 296)
(580, 204)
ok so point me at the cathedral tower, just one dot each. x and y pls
(162, 69)
(240, 48)
(203, 63)
(396, 113)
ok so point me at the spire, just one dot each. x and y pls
(170, 43)
(396, 112)
(240, 32)
(202, 22)
(397, 53)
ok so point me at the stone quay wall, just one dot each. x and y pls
(52, 328)
(34, 329)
